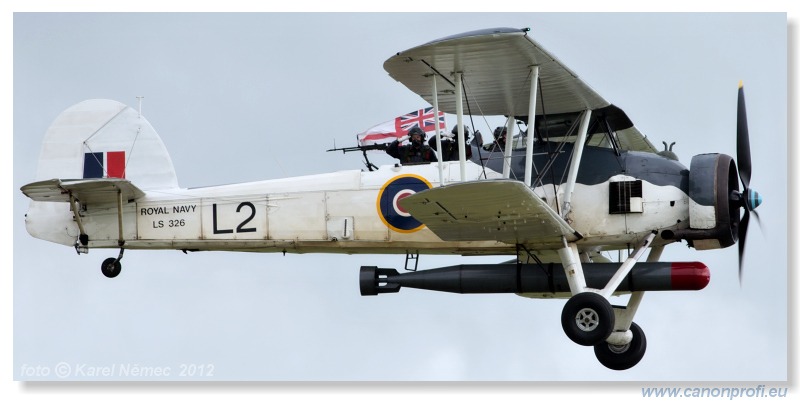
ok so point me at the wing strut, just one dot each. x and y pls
(577, 154)
(531, 125)
(438, 137)
(509, 146)
(462, 152)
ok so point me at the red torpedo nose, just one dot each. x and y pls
(690, 276)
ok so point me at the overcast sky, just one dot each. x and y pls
(243, 97)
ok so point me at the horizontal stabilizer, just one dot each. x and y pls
(101, 190)
(501, 210)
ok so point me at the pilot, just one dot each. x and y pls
(499, 143)
(450, 146)
(415, 152)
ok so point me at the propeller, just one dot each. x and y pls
(748, 198)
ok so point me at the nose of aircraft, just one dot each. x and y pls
(753, 199)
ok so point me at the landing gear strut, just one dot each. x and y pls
(589, 319)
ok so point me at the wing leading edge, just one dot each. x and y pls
(503, 210)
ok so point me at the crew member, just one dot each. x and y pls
(499, 143)
(450, 146)
(415, 152)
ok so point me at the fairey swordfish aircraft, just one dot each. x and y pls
(579, 180)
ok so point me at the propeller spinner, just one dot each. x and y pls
(748, 198)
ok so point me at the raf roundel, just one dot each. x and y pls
(399, 187)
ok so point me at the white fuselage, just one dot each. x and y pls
(340, 212)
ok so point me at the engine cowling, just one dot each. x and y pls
(713, 215)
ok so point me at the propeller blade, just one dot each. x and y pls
(742, 140)
(742, 237)
(758, 221)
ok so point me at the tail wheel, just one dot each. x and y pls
(622, 357)
(587, 318)
(111, 267)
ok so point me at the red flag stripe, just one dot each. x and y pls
(115, 164)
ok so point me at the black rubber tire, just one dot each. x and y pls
(587, 318)
(620, 358)
(111, 267)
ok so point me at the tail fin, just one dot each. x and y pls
(97, 138)
(100, 138)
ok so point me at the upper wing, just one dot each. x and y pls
(503, 210)
(496, 66)
(104, 190)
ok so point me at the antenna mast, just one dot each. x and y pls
(140, 105)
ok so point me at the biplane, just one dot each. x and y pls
(574, 178)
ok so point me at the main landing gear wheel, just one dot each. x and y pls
(111, 267)
(587, 318)
(622, 357)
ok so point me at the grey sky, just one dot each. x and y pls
(241, 97)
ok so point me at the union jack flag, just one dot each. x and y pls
(391, 130)
(422, 118)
